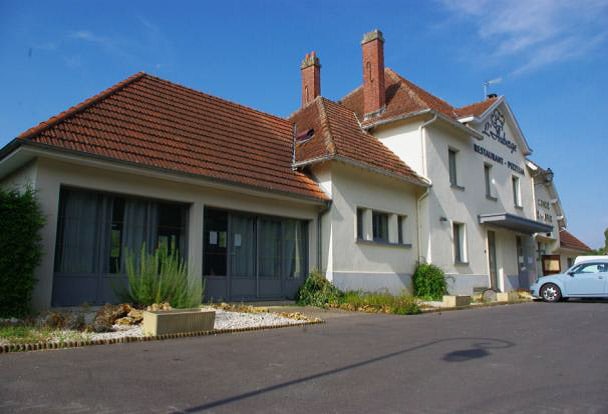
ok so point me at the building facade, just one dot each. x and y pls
(362, 189)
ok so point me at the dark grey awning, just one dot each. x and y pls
(515, 223)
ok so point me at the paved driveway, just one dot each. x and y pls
(541, 358)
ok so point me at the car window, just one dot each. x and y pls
(591, 268)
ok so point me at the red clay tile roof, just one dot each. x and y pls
(151, 122)
(475, 109)
(338, 135)
(568, 241)
(404, 97)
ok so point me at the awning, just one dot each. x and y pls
(515, 223)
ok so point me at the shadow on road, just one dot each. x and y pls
(478, 350)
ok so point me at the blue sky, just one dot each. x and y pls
(550, 54)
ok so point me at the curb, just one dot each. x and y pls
(40, 346)
(485, 305)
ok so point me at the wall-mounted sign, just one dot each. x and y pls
(495, 129)
(497, 159)
(544, 216)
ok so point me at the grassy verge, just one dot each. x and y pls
(25, 334)
(403, 304)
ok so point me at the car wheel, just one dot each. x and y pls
(551, 293)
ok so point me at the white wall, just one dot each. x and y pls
(446, 205)
(52, 174)
(369, 266)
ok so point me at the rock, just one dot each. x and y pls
(136, 315)
(159, 307)
(101, 325)
(124, 321)
(75, 321)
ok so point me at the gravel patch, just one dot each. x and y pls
(223, 320)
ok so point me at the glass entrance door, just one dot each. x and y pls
(243, 280)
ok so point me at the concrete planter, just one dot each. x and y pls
(507, 296)
(178, 321)
(450, 301)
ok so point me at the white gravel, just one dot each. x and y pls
(223, 320)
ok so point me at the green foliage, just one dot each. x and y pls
(429, 282)
(21, 220)
(160, 277)
(403, 304)
(317, 291)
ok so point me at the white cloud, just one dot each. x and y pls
(536, 32)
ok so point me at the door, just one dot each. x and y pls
(588, 279)
(269, 254)
(243, 280)
(492, 260)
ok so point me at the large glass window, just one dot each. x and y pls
(96, 229)
(246, 245)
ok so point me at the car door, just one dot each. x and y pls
(588, 279)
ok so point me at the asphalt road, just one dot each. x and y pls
(535, 357)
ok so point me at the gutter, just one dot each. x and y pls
(324, 209)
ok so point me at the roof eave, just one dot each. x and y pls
(49, 149)
(418, 181)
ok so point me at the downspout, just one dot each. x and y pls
(426, 193)
(322, 212)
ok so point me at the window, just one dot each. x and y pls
(380, 226)
(401, 229)
(459, 243)
(452, 167)
(360, 228)
(516, 191)
(487, 173)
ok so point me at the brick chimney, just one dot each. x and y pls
(373, 72)
(311, 78)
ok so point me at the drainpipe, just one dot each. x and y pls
(320, 215)
(422, 134)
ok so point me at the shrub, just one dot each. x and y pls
(160, 277)
(403, 304)
(317, 291)
(429, 282)
(21, 220)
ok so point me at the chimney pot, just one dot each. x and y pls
(310, 70)
(374, 94)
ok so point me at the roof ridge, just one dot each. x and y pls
(249, 108)
(411, 84)
(54, 120)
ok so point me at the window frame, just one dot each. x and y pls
(488, 181)
(453, 168)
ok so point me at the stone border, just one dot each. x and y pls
(40, 346)
(479, 306)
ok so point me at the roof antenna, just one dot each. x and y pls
(488, 83)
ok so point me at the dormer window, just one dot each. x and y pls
(305, 136)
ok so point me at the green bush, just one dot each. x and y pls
(429, 282)
(21, 220)
(160, 277)
(317, 291)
